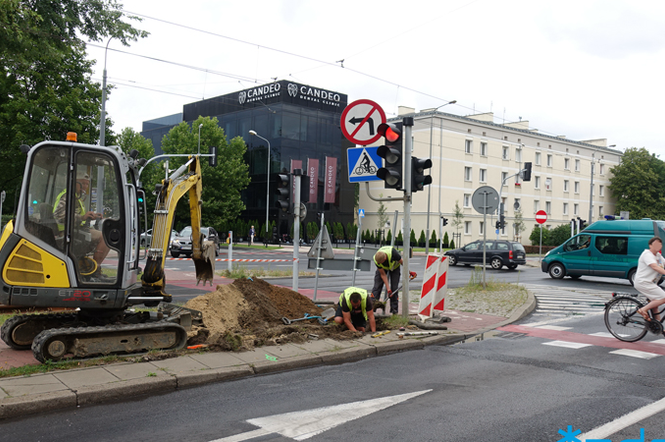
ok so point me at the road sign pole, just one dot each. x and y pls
(540, 251)
(355, 252)
(485, 241)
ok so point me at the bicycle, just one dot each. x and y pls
(623, 321)
(369, 169)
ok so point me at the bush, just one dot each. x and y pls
(558, 235)
(534, 237)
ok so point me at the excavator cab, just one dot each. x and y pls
(73, 230)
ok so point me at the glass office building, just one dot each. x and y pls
(302, 124)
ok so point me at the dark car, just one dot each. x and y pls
(498, 254)
(182, 243)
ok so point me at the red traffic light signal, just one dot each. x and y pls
(391, 152)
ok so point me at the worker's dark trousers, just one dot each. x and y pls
(393, 277)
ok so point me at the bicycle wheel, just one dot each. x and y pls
(623, 321)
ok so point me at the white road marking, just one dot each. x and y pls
(624, 421)
(634, 353)
(554, 327)
(565, 344)
(301, 425)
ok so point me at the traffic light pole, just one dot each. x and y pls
(408, 149)
(297, 173)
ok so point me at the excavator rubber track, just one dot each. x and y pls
(19, 331)
(84, 342)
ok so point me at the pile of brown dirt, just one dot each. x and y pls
(248, 313)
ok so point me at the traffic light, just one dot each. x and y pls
(418, 178)
(391, 152)
(283, 190)
(502, 222)
(212, 161)
(526, 173)
(445, 221)
(582, 223)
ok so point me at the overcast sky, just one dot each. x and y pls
(585, 69)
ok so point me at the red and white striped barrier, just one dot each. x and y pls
(434, 286)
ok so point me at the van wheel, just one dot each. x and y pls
(631, 277)
(512, 266)
(496, 263)
(557, 271)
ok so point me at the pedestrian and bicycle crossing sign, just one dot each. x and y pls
(363, 163)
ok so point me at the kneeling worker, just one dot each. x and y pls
(355, 308)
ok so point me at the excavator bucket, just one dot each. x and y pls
(205, 265)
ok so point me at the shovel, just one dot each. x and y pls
(307, 316)
(328, 313)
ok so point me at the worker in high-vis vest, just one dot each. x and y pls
(81, 216)
(388, 263)
(355, 310)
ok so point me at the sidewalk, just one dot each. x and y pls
(24, 395)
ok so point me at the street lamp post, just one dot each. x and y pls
(102, 122)
(253, 132)
(429, 188)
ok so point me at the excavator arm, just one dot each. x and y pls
(187, 179)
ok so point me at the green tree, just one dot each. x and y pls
(434, 242)
(458, 217)
(519, 225)
(412, 238)
(399, 240)
(382, 218)
(558, 235)
(46, 88)
(446, 240)
(351, 231)
(638, 184)
(534, 237)
(222, 184)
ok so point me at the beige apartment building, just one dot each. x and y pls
(474, 151)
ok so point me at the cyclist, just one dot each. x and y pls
(649, 270)
(365, 162)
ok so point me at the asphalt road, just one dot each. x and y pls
(510, 387)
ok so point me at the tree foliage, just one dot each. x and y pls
(638, 184)
(223, 184)
(45, 85)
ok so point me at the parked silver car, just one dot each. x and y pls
(182, 242)
(146, 237)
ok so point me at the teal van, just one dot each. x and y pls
(608, 248)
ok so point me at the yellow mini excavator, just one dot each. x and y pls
(74, 243)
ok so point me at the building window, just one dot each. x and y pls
(536, 206)
(577, 187)
(467, 174)
(601, 168)
(467, 200)
(506, 153)
(565, 208)
(549, 160)
(577, 165)
(566, 163)
(482, 228)
(504, 177)
(518, 154)
(601, 190)
(483, 175)
(467, 227)
(518, 204)
(537, 159)
(566, 186)
(468, 145)
(536, 182)
(576, 209)
(548, 184)
(483, 149)
(548, 207)
(600, 211)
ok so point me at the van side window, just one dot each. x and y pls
(577, 243)
(612, 245)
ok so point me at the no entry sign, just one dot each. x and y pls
(541, 217)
